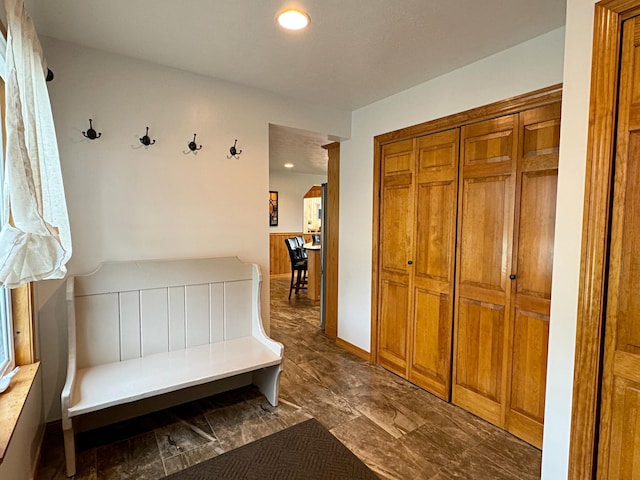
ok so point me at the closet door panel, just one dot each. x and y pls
(619, 436)
(536, 233)
(624, 450)
(625, 295)
(529, 375)
(395, 228)
(436, 221)
(433, 275)
(396, 243)
(431, 359)
(484, 224)
(479, 360)
(489, 142)
(535, 217)
(484, 248)
(394, 312)
(465, 256)
(541, 132)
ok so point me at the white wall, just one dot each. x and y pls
(127, 202)
(566, 266)
(291, 188)
(503, 75)
(523, 68)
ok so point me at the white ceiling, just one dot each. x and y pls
(301, 148)
(354, 52)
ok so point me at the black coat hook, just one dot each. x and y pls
(234, 153)
(91, 134)
(146, 141)
(193, 146)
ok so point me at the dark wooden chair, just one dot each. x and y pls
(300, 242)
(298, 265)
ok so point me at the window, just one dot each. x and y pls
(312, 210)
(7, 357)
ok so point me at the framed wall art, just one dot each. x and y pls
(273, 209)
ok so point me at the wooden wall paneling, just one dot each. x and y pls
(331, 240)
(484, 247)
(436, 177)
(396, 247)
(279, 262)
(535, 209)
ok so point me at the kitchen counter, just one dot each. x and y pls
(314, 267)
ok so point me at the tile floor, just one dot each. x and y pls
(399, 430)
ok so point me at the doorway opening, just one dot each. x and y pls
(304, 177)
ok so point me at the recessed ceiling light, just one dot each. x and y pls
(293, 19)
(288, 165)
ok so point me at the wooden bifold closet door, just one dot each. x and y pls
(485, 226)
(619, 445)
(396, 244)
(465, 220)
(506, 222)
(417, 221)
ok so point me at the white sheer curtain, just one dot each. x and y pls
(38, 245)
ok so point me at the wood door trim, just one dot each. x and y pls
(332, 239)
(608, 18)
(375, 249)
(512, 105)
(350, 347)
(508, 106)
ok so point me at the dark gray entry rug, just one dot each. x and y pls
(306, 451)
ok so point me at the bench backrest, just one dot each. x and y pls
(125, 310)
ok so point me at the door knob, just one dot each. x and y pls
(410, 262)
(512, 276)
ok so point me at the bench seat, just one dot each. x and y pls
(145, 333)
(111, 384)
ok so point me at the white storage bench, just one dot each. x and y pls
(142, 329)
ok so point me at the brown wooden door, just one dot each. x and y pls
(436, 176)
(619, 447)
(396, 245)
(535, 214)
(484, 247)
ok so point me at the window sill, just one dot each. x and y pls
(12, 401)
